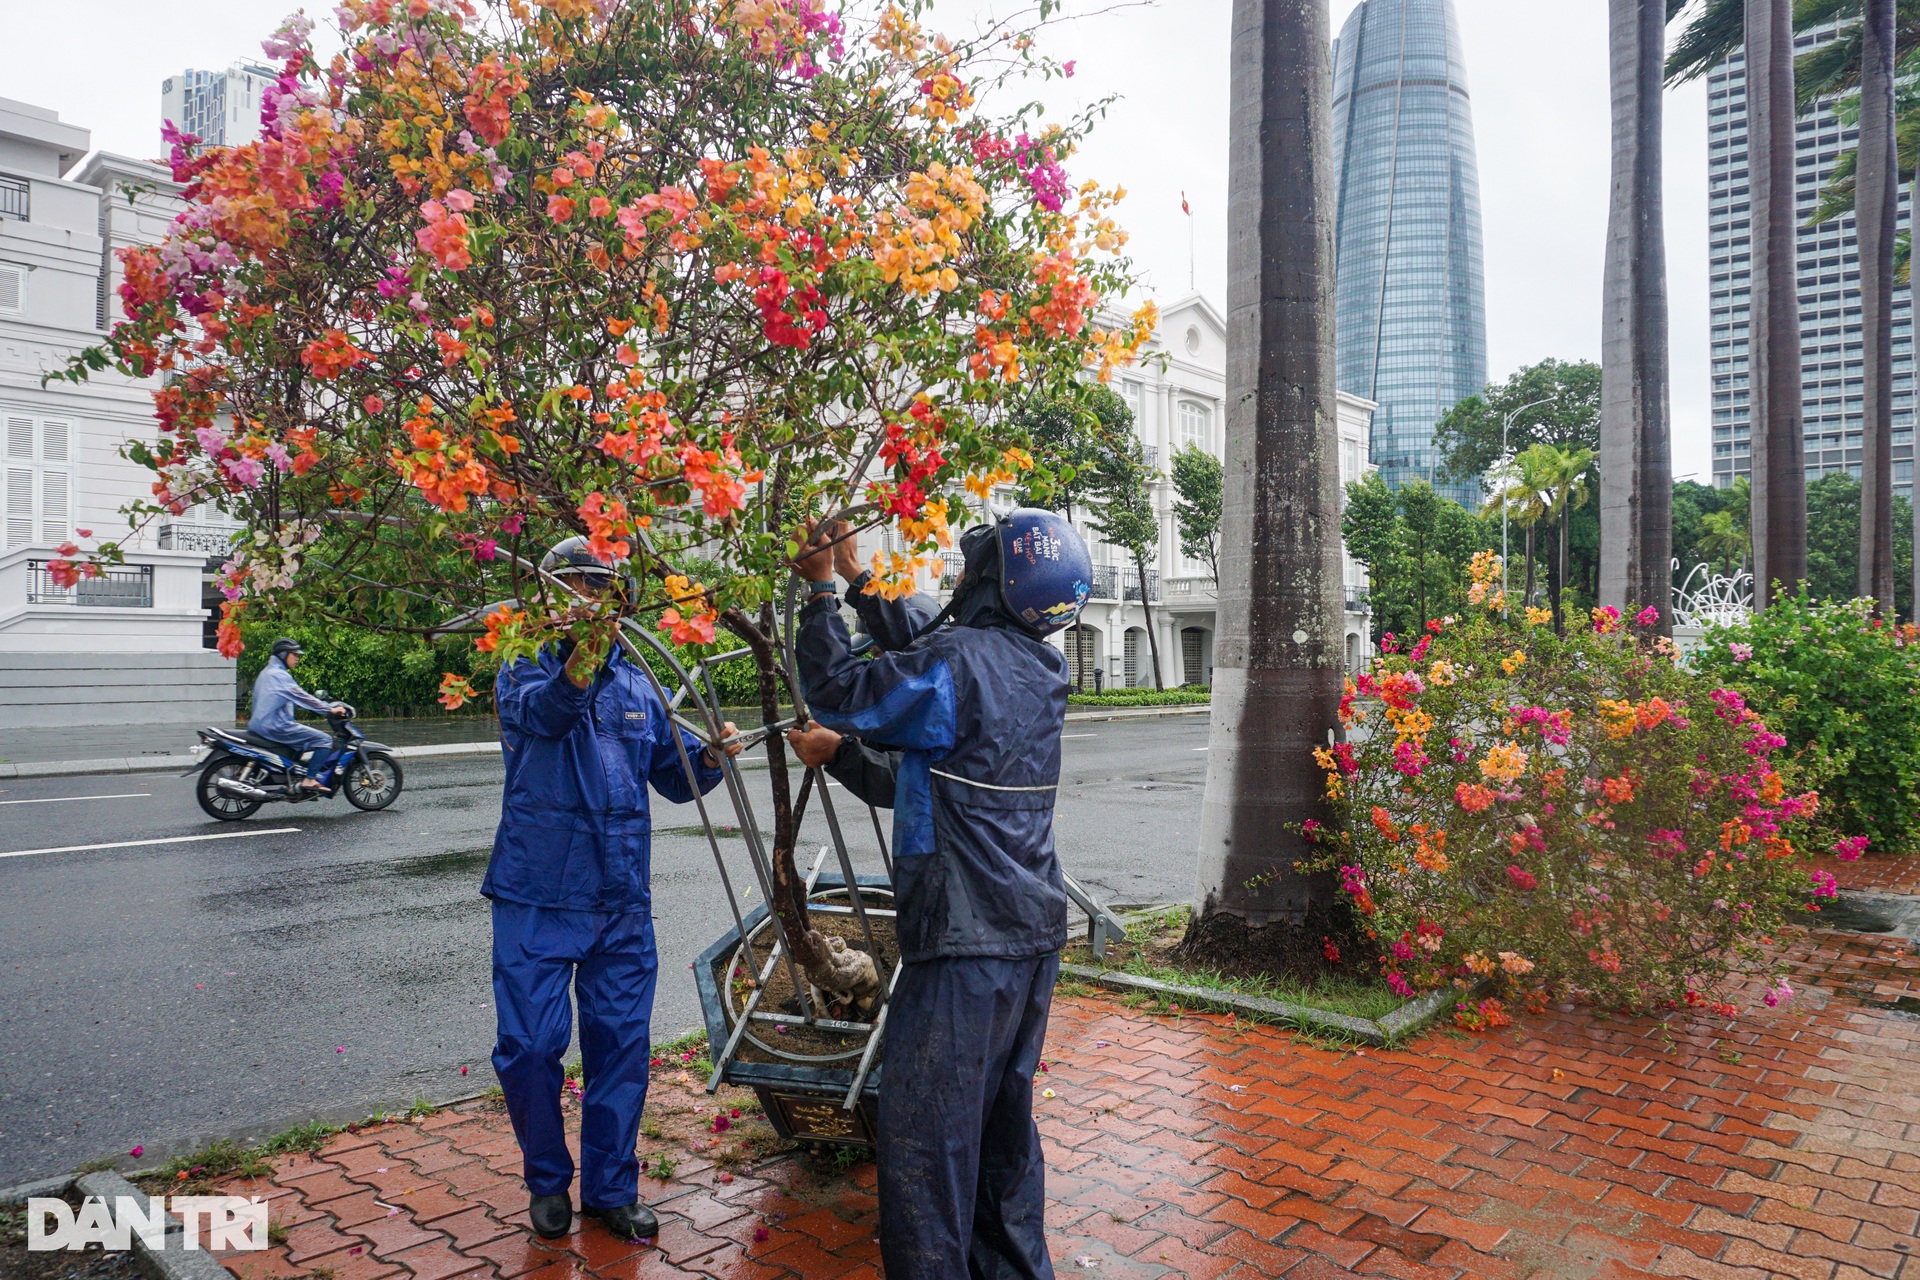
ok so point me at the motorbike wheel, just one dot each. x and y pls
(373, 781)
(216, 803)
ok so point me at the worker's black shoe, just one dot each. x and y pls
(629, 1221)
(552, 1215)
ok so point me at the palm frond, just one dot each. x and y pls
(1716, 31)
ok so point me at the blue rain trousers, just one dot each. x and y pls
(608, 958)
(962, 1176)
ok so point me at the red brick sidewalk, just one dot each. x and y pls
(1782, 1143)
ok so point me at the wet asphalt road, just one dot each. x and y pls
(160, 994)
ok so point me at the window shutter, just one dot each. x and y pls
(55, 506)
(54, 441)
(19, 512)
(13, 288)
(19, 439)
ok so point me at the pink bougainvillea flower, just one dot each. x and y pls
(1850, 849)
(1740, 652)
(137, 1152)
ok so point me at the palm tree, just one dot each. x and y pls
(1723, 540)
(1280, 651)
(1877, 179)
(1523, 491)
(1560, 478)
(1765, 29)
(1636, 487)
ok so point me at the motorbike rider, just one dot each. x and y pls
(275, 695)
(583, 734)
(976, 711)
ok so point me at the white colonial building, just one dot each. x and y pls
(116, 666)
(1177, 392)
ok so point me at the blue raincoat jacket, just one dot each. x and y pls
(275, 694)
(977, 713)
(575, 828)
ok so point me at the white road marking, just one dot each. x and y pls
(1199, 748)
(135, 844)
(124, 795)
(1079, 735)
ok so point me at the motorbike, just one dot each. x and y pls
(244, 770)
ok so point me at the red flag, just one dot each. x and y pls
(1183, 205)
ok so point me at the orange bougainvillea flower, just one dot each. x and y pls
(332, 355)
(455, 692)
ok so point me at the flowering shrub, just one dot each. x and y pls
(1844, 689)
(670, 275)
(1576, 814)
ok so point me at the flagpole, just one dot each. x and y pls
(1191, 272)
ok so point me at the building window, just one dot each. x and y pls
(13, 289)
(1131, 392)
(1196, 424)
(37, 502)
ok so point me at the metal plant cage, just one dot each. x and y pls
(817, 1076)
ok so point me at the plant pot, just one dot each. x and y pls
(800, 1070)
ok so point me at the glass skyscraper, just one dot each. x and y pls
(1411, 312)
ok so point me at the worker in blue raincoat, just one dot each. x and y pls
(583, 734)
(275, 695)
(975, 711)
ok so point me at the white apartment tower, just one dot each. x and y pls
(221, 108)
(1829, 278)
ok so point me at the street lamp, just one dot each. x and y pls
(1505, 424)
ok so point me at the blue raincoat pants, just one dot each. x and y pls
(572, 912)
(975, 712)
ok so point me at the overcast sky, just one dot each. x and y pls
(1537, 73)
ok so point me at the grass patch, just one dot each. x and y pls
(689, 1052)
(1147, 953)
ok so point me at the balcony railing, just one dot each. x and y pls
(1359, 600)
(16, 198)
(1131, 577)
(127, 587)
(207, 539)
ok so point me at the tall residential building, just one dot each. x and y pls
(222, 108)
(1829, 278)
(1411, 311)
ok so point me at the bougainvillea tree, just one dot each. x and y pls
(1580, 815)
(670, 274)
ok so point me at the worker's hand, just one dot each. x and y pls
(591, 646)
(846, 555)
(814, 743)
(815, 561)
(727, 730)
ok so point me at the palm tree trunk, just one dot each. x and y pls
(1773, 342)
(1558, 581)
(1876, 211)
(1636, 487)
(1153, 638)
(1279, 654)
(1526, 597)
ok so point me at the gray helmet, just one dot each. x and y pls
(284, 646)
(571, 557)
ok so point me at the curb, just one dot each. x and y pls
(181, 763)
(171, 1261)
(1388, 1031)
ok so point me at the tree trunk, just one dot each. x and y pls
(1557, 579)
(1876, 212)
(1526, 596)
(1280, 648)
(1779, 518)
(1636, 485)
(1153, 639)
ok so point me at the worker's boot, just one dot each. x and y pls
(552, 1215)
(629, 1221)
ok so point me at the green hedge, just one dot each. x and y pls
(1185, 696)
(389, 675)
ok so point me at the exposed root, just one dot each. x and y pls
(841, 975)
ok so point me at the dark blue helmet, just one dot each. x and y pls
(1045, 572)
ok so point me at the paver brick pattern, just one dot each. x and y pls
(1783, 1143)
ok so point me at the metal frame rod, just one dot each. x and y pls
(873, 1045)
